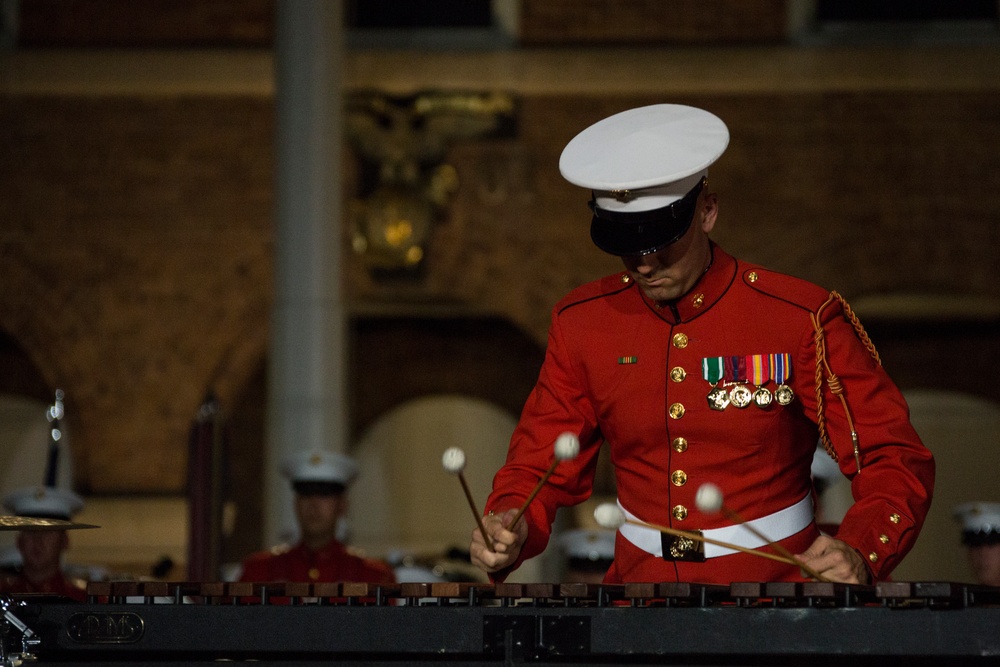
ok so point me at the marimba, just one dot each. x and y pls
(778, 623)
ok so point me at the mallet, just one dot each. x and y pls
(709, 500)
(567, 446)
(453, 461)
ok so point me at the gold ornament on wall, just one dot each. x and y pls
(406, 186)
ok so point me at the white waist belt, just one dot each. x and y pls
(783, 523)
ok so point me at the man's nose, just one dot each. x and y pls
(644, 263)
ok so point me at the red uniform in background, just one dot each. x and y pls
(320, 480)
(18, 584)
(299, 563)
(42, 543)
(621, 368)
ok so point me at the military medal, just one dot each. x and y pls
(712, 370)
(736, 372)
(762, 397)
(781, 370)
(760, 373)
(741, 396)
(718, 399)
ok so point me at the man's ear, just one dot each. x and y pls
(709, 211)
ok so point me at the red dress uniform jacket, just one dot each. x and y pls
(301, 564)
(17, 584)
(621, 369)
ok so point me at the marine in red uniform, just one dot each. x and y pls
(320, 480)
(699, 368)
(981, 537)
(42, 547)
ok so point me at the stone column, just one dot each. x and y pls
(306, 388)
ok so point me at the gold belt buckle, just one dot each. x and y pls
(677, 548)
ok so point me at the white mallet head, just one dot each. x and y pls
(709, 498)
(609, 515)
(453, 459)
(567, 446)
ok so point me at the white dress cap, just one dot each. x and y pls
(658, 153)
(979, 517)
(43, 502)
(320, 465)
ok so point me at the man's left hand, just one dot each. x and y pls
(835, 560)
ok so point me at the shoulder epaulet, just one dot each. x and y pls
(357, 552)
(276, 550)
(782, 286)
(608, 285)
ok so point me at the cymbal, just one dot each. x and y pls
(38, 523)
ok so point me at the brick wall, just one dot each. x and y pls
(136, 257)
(550, 22)
(154, 23)
(250, 23)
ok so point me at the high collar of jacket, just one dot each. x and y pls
(703, 295)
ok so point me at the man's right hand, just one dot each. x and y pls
(506, 543)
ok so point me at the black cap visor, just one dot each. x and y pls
(980, 538)
(317, 488)
(643, 232)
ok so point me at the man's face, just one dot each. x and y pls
(985, 563)
(318, 515)
(670, 272)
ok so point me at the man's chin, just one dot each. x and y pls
(661, 294)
